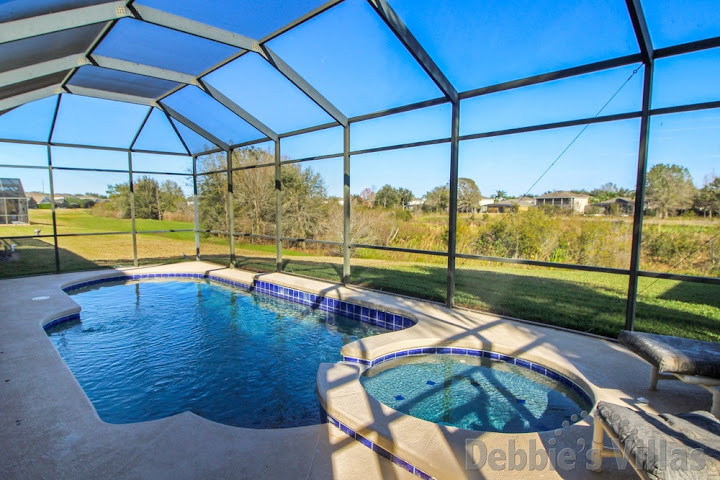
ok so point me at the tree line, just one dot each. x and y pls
(153, 200)
(669, 190)
(305, 204)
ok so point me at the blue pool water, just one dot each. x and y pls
(149, 350)
(474, 393)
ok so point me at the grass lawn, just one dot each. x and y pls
(586, 301)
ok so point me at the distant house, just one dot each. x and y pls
(572, 201)
(415, 204)
(484, 202)
(61, 202)
(13, 202)
(521, 204)
(616, 206)
(44, 202)
(34, 198)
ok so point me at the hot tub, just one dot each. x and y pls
(476, 390)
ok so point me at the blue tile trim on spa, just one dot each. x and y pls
(381, 318)
(373, 446)
(478, 353)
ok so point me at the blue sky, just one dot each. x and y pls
(352, 59)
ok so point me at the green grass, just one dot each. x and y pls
(587, 301)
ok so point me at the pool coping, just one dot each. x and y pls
(78, 442)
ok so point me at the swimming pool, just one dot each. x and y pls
(148, 350)
(476, 392)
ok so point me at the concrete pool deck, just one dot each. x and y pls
(49, 428)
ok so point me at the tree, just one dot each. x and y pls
(707, 199)
(608, 191)
(212, 192)
(254, 192)
(499, 195)
(468, 195)
(367, 196)
(147, 198)
(152, 199)
(437, 199)
(171, 198)
(118, 200)
(304, 201)
(304, 198)
(669, 188)
(406, 196)
(387, 197)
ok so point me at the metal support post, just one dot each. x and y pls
(639, 198)
(132, 209)
(346, 205)
(278, 208)
(452, 220)
(52, 207)
(196, 209)
(230, 206)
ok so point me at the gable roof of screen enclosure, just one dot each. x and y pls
(106, 49)
(132, 51)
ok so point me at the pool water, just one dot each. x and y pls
(474, 393)
(144, 351)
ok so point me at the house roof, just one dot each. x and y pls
(613, 201)
(37, 196)
(563, 194)
(11, 188)
(514, 202)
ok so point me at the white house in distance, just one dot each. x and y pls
(484, 202)
(415, 204)
(574, 201)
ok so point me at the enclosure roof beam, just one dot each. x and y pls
(42, 69)
(689, 47)
(90, 49)
(555, 75)
(27, 97)
(310, 15)
(64, 20)
(287, 71)
(140, 129)
(140, 69)
(107, 95)
(194, 127)
(3, 112)
(642, 33)
(185, 79)
(202, 30)
(192, 27)
(174, 127)
(398, 27)
(237, 110)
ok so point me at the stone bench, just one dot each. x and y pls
(692, 361)
(659, 447)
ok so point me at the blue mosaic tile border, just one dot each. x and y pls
(59, 320)
(374, 446)
(387, 320)
(381, 318)
(542, 370)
